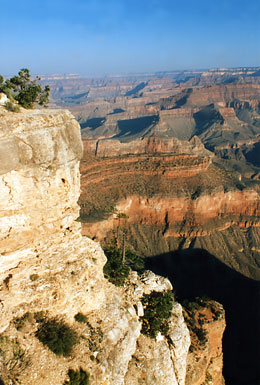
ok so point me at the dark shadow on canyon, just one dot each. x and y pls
(93, 123)
(252, 156)
(194, 273)
(136, 126)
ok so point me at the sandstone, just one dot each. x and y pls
(204, 359)
(154, 363)
(150, 145)
(3, 99)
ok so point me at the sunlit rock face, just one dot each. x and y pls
(40, 151)
(3, 98)
(48, 268)
(205, 357)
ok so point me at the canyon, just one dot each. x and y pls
(196, 222)
(51, 274)
(180, 160)
(170, 171)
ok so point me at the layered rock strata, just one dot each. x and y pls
(175, 195)
(47, 269)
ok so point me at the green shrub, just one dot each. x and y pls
(114, 270)
(134, 261)
(81, 318)
(157, 311)
(202, 302)
(58, 336)
(12, 107)
(190, 309)
(77, 377)
(24, 90)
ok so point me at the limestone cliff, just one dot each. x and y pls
(49, 271)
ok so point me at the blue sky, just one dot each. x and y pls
(101, 37)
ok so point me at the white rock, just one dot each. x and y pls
(3, 98)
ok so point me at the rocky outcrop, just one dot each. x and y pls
(49, 271)
(3, 99)
(107, 148)
(222, 94)
(39, 180)
(205, 354)
(145, 367)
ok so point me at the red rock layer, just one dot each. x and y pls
(186, 217)
(224, 93)
(150, 145)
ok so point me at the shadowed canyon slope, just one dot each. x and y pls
(51, 275)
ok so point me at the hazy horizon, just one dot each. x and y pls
(101, 38)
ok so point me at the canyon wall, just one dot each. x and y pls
(107, 148)
(195, 219)
(173, 189)
(220, 94)
(49, 271)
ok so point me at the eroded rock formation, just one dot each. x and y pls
(49, 271)
(174, 196)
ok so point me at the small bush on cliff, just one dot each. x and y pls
(81, 318)
(24, 90)
(157, 311)
(12, 107)
(58, 336)
(118, 265)
(114, 270)
(77, 377)
(195, 320)
(134, 261)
